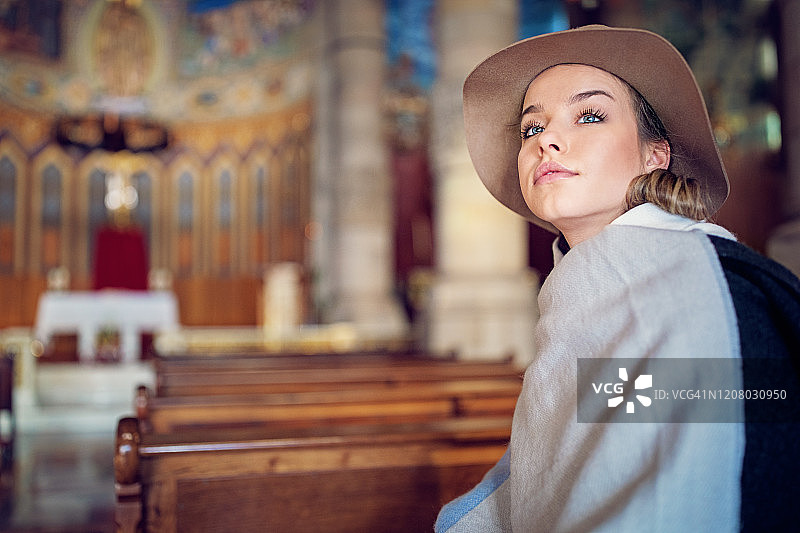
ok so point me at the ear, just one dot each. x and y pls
(658, 156)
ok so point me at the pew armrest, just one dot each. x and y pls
(128, 507)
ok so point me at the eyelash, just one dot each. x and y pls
(591, 112)
(527, 126)
(588, 112)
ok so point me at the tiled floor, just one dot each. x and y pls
(59, 483)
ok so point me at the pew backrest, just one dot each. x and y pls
(389, 477)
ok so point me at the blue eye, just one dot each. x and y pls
(531, 129)
(590, 116)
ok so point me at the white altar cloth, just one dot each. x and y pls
(89, 312)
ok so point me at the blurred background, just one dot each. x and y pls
(257, 174)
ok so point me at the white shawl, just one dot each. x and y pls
(648, 286)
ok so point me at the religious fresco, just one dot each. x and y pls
(169, 60)
(123, 50)
(225, 36)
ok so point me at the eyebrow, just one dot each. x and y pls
(574, 99)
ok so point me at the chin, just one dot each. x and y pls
(559, 214)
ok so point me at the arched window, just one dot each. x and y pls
(185, 221)
(142, 215)
(224, 221)
(185, 201)
(98, 214)
(8, 213)
(50, 216)
(260, 210)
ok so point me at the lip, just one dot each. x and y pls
(550, 171)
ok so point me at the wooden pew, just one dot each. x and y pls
(255, 390)
(403, 401)
(207, 376)
(363, 436)
(389, 477)
(264, 360)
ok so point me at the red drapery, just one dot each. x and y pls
(120, 259)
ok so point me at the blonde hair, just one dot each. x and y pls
(675, 194)
(672, 193)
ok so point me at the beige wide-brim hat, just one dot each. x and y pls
(494, 91)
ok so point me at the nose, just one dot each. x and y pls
(552, 146)
(550, 141)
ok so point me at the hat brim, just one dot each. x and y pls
(494, 91)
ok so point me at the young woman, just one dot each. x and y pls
(601, 135)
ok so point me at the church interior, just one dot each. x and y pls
(195, 188)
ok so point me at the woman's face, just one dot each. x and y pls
(580, 149)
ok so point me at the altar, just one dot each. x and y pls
(88, 313)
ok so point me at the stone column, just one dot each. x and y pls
(784, 244)
(358, 229)
(483, 300)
